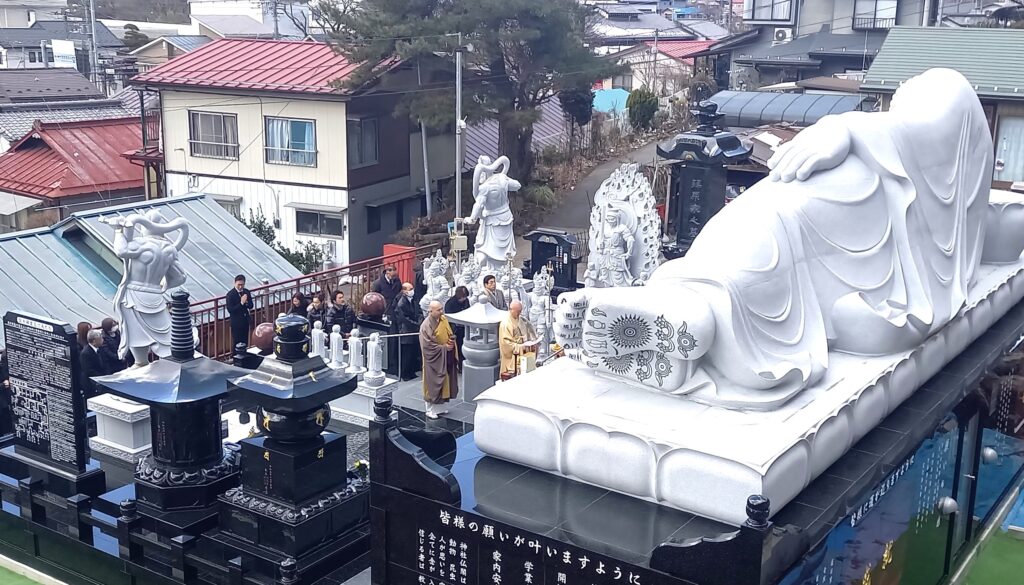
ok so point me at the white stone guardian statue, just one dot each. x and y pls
(151, 269)
(864, 241)
(436, 279)
(494, 240)
(625, 231)
(540, 309)
(510, 281)
(469, 277)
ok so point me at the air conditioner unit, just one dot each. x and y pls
(782, 35)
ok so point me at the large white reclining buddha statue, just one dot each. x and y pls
(744, 367)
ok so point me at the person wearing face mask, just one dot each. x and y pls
(407, 318)
(111, 341)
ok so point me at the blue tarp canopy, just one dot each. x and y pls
(610, 100)
(750, 109)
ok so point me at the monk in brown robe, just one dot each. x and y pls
(440, 361)
(514, 335)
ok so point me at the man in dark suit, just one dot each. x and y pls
(389, 286)
(92, 362)
(407, 321)
(492, 295)
(239, 303)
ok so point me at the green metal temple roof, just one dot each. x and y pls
(992, 59)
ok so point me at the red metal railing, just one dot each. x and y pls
(210, 316)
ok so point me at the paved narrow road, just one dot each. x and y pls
(574, 212)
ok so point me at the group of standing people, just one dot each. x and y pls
(98, 352)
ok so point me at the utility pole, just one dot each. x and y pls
(458, 128)
(654, 63)
(277, 30)
(94, 59)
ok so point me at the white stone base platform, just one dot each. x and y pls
(357, 408)
(567, 419)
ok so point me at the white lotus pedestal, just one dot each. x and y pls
(483, 358)
(122, 428)
(683, 452)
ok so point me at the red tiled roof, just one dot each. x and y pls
(72, 158)
(681, 50)
(256, 64)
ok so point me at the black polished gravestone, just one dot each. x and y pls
(443, 513)
(555, 249)
(177, 485)
(698, 161)
(48, 406)
(299, 511)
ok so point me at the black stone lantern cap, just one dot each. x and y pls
(185, 376)
(171, 382)
(291, 381)
(721, 148)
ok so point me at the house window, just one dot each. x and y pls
(49, 55)
(213, 135)
(372, 219)
(362, 142)
(768, 10)
(319, 223)
(233, 207)
(33, 56)
(290, 142)
(874, 14)
(1010, 149)
(624, 81)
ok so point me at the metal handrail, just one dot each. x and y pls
(270, 299)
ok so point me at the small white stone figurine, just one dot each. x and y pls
(374, 375)
(319, 340)
(539, 312)
(438, 287)
(355, 353)
(337, 348)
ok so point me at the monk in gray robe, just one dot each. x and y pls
(440, 361)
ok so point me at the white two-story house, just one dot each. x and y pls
(265, 125)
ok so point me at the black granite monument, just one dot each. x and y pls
(176, 487)
(555, 249)
(698, 161)
(298, 509)
(48, 408)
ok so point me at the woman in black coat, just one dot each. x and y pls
(111, 342)
(299, 305)
(458, 302)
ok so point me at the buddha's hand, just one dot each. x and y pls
(821, 147)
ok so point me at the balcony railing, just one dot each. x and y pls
(872, 23)
(210, 316)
